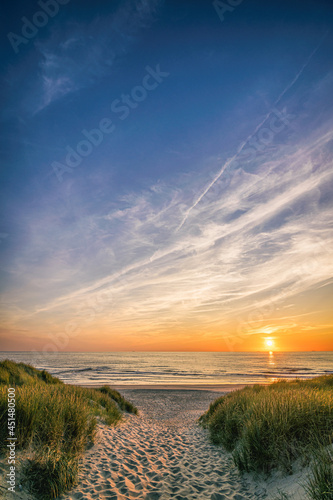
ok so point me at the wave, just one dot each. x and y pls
(295, 369)
(107, 371)
(80, 369)
(72, 371)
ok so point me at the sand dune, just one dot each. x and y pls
(162, 454)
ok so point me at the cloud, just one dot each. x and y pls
(76, 55)
(231, 160)
(261, 238)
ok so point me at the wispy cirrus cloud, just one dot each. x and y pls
(78, 55)
(230, 162)
(261, 237)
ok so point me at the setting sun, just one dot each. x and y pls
(269, 343)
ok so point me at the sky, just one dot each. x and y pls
(166, 175)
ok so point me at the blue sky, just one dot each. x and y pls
(210, 199)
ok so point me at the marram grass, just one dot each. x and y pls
(55, 421)
(267, 427)
(19, 373)
(319, 485)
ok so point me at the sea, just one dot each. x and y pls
(191, 368)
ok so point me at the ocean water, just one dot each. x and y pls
(131, 368)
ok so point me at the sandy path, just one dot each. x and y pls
(161, 454)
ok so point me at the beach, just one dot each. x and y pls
(146, 441)
(163, 454)
(160, 454)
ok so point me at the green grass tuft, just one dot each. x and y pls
(271, 426)
(12, 373)
(50, 473)
(120, 400)
(56, 421)
(320, 482)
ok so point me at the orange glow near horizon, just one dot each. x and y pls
(100, 339)
(285, 331)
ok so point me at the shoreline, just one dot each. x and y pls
(171, 387)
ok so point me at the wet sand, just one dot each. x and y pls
(175, 387)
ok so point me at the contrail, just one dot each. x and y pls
(240, 149)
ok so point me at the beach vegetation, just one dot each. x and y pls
(267, 427)
(12, 373)
(319, 484)
(119, 399)
(54, 423)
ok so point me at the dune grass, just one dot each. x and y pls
(320, 481)
(267, 427)
(119, 399)
(55, 422)
(19, 373)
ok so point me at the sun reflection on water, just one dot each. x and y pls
(271, 358)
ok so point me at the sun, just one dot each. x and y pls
(269, 343)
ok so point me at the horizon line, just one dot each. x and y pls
(103, 352)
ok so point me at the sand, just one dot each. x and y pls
(161, 454)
